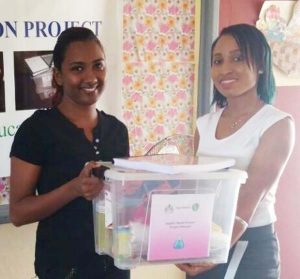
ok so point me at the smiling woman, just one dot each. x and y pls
(259, 137)
(231, 74)
(82, 74)
(53, 154)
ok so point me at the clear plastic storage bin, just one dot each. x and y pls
(151, 218)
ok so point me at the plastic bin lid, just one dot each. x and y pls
(122, 174)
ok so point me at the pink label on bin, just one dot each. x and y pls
(180, 226)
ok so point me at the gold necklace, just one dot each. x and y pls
(236, 123)
(243, 118)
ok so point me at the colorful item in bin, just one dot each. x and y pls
(138, 188)
(141, 196)
(99, 223)
(139, 234)
(103, 233)
(132, 242)
(140, 213)
(123, 242)
(133, 187)
(218, 239)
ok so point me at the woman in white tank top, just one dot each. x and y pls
(259, 136)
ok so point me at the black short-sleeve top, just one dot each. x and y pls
(50, 140)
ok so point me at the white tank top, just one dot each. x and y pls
(241, 146)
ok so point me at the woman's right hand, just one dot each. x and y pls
(88, 185)
(27, 207)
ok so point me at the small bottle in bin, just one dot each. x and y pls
(103, 235)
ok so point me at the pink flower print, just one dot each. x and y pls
(181, 95)
(159, 96)
(150, 114)
(137, 132)
(140, 28)
(140, 214)
(137, 97)
(186, 28)
(173, 10)
(173, 45)
(127, 80)
(148, 146)
(172, 78)
(163, 28)
(150, 79)
(127, 46)
(150, 45)
(127, 115)
(150, 9)
(172, 112)
(191, 78)
(2, 186)
(180, 128)
(127, 8)
(159, 129)
(132, 186)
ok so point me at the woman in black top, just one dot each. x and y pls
(52, 156)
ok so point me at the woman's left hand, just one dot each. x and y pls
(195, 269)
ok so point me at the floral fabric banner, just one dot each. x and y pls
(158, 70)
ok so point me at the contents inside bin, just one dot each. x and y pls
(122, 217)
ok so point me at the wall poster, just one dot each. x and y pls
(28, 32)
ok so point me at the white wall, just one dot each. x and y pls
(17, 251)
